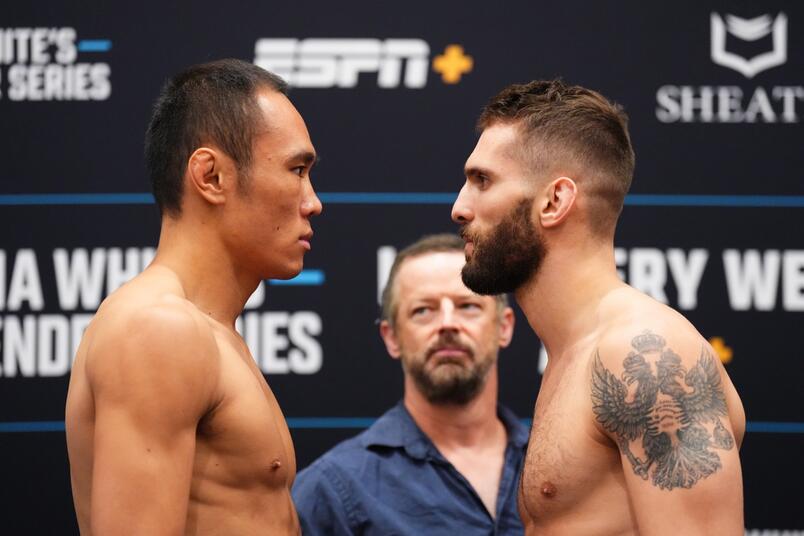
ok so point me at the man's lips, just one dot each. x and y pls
(305, 239)
(469, 245)
(450, 352)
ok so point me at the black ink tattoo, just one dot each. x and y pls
(670, 418)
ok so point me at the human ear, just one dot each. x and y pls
(389, 338)
(506, 327)
(560, 198)
(206, 176)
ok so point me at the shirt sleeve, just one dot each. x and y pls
(319, 495)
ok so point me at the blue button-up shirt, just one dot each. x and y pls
(391, 480)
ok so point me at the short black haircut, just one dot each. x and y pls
(212, 102)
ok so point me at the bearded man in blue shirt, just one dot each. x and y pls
(446, 459)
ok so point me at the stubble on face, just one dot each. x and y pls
(506, 257)
(449, 380)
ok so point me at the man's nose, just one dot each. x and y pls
(448, 319)
(461, 210)
(311, 205)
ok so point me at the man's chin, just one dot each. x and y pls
(288, 271)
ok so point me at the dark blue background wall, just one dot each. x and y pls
(713, 225)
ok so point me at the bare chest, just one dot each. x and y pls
(565, 462)
(245, 439)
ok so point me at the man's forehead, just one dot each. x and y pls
(498, 141)
(278, 113)
(283, 124)
(433, 274)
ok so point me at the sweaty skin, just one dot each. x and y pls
(171, 426)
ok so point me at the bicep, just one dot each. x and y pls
(141, 471)
(667, 413)
(686, 491)
(149, 395)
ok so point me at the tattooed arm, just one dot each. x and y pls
(662, 402)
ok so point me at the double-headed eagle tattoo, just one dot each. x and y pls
(672, 420)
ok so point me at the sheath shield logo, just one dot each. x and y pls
(749, 30)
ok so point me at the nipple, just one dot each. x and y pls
(276, 464)
(548, 489)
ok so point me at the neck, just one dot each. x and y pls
(447, 425)
(195, 254)
(562, 300)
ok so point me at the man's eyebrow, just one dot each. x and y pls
(309, 158)
(474, 171)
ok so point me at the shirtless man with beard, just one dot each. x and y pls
(637, 426)
(171, 427)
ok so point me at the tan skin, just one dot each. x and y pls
(432, 299)
(577, 480)
(171, 427)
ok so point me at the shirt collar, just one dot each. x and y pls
(396, 429)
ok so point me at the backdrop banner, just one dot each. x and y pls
(390, 93)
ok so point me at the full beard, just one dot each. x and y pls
(450, 382)
(508, 256)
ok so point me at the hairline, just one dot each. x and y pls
(500, 300)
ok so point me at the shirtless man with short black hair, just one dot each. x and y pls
(637, 426)
(171, 427)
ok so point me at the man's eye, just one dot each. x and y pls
(420, 311)
(470, 306)
(299, 170)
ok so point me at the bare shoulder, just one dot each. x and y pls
(159, 344)
(638, 313)
(660, 392)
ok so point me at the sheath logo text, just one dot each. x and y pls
(324, 63)
(736, 103)
(42, 66)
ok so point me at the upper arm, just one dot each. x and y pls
(659, 395)
(317, 495)
(151, 383)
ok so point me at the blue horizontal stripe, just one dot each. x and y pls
(302, 423)
(420, 198)
(305, 277)
(770, 427)
(77, 199)
(737, 201)
(94, 45)
(388, 198)
(335, 423)
(32, 426)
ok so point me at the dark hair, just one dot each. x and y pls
(212, 102)
(437, 243)
(571, 124)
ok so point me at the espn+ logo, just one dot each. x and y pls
(327, 63)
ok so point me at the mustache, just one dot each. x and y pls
(466, 234)
(449, 340)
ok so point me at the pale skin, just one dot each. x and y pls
(431, 299)
(581, 476)
(171, 426)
